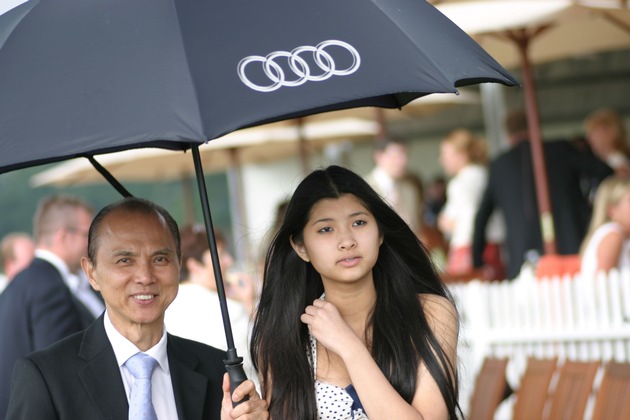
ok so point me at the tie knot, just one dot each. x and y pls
(141, 365)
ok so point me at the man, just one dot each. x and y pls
(37, 308)
(17, 250)
(389, 179)
(511, 188)
(134, 260)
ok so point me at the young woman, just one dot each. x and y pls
(353, 320)
(606, 244)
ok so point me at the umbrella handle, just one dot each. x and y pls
(237, 376)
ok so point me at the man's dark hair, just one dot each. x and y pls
(131, 205)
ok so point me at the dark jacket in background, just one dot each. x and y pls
(511, 188)
(36, 310)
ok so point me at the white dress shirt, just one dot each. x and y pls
(161, 386)
(82, 289)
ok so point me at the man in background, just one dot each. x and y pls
(16, 250)
(511, 188)
(38, 307)
(389, 179)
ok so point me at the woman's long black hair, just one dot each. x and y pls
(401, 336)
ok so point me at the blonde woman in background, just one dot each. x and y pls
(606, 244)
(463, 157)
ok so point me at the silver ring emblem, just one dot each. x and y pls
(299, 66)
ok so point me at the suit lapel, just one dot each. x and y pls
(101, 375)
(189, 386)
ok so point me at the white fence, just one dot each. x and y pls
(570, 317)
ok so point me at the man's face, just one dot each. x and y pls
(136, 269)
(393, 160)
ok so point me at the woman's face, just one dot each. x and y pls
(451, 159)
(225, 261)
(341, 241)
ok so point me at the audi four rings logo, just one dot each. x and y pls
(322, 56)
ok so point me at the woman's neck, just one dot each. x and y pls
(354, 305)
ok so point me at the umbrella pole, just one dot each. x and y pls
(535, 141)
(233, 363)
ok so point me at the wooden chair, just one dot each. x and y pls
(575, 384)
(613, 398)
(491, 388)
(533, 390)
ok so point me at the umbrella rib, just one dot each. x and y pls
(109, 177)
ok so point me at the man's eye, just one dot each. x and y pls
(122, 261)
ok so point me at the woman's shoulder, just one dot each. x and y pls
(437, 307)
(443, 320)
(608, 228)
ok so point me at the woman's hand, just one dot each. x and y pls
(328, 327)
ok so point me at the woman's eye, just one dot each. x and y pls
(359, 223)
(325, 229)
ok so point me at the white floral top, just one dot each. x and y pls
(334, 402)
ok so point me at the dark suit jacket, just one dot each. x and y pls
(78, 378)
(36, 310)
(511, 188)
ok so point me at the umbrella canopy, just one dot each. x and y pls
(82, 77)
(523, 33)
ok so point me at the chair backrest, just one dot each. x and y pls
(575, 384)
(533, 390)
(613, 398)
(491, 388)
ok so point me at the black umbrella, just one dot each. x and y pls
(79, 78)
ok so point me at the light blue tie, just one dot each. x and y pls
(141, 367)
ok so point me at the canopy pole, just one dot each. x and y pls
(233, 363)
(302, 146)
(522, 39)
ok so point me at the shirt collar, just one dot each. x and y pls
(124, 349)
(382, 179)
(68, 278)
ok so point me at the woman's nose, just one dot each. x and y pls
(347, 241)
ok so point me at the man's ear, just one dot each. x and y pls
(300, 250)
(88, 268)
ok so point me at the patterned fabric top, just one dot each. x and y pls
(334, 402)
